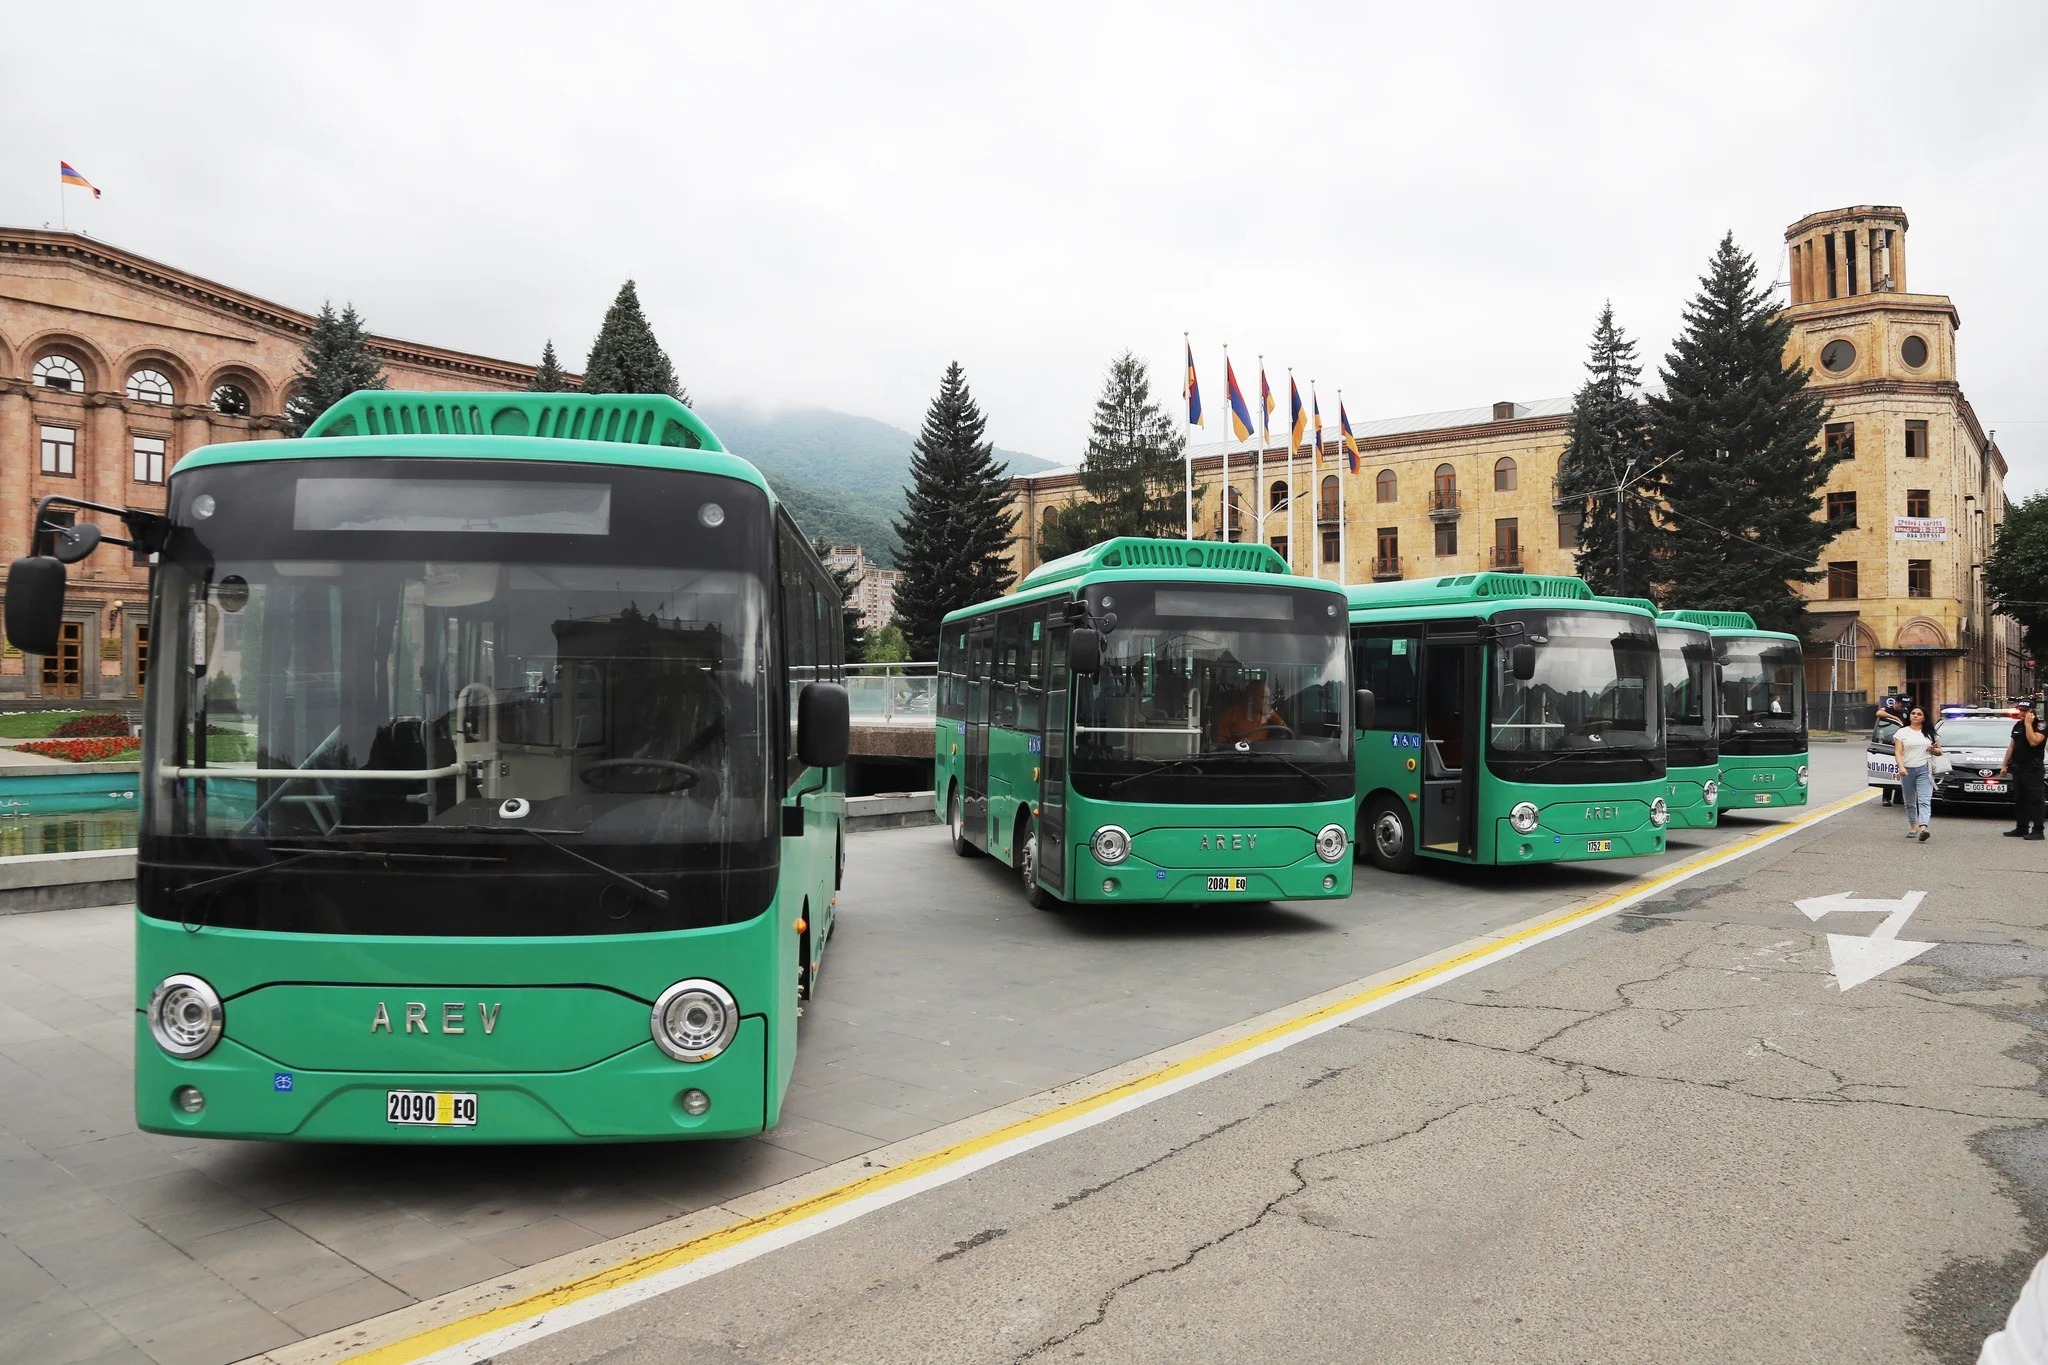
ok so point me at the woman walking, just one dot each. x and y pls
(1914, 746)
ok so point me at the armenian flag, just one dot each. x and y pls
(1265, 401)
(1297, 415)
(1192, 391)
(1350, 441)
(1240, 415)
(67, 176)
(1317, 404)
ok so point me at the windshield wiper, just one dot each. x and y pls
(300, 855)
(1321, 786)
(1168, 766)
(654, 895)
(1637, 754)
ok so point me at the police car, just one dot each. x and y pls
(1973, 739)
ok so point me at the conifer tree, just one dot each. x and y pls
(2016, 574)
(1740, 430)
(336, 362)
(1131, 476)
(548, 376)
(1603, 470)
(626, 358)
(852, 630)
(956, 517)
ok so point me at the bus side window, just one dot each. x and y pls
(1387, 662)
(800, 638)
(952, 675)
(1031, 680)
(1011, 629)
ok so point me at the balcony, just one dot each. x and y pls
(1505, 558)
(1386, 567)
(1558, 497)
(1443, 504)
(1326, 513)
(1240, 526)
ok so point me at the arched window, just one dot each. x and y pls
(149, 386)
(233, 400)
(1384, 486)
(1505, 474)
(1051, 515)
(1276, 496)
(1326, 501)
(1446, 479)
(59, 372)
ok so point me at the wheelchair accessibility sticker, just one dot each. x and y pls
(1399, 740)
(1037, 744)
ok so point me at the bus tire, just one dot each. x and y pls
(956, 826)
(839, 862)
(1036, 896)
(1388, 835)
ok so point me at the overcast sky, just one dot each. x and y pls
(1422, 205)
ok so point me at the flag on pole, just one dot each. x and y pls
(1192, 391)
(1240, 415)
(1344, 429)
(1317, 404)
(67, 176)
(1297, 416)
(1267, 402)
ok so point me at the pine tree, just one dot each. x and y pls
(336, 362)
(626, 358)
(1740, 430)
(2016, 574)
(956, 517)
(1131, 475)
(851, 628)
(1602, 469)
(548, 376)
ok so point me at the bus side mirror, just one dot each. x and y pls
(1084, 652)
(1364, 710)
(1522, 662)
(35, 604)
(824, 725)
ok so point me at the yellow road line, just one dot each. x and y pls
(451, 1336)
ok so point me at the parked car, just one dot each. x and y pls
(1880, 764)
(1974, 739)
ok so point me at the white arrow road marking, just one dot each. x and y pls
(1857, 960)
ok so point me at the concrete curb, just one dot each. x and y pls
(891, 810)
(66, 881)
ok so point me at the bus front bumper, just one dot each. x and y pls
(1763, 787)
(1689, 806)
(635, 1095)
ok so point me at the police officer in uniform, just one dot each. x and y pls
(2023, 760)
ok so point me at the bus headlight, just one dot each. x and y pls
(185, 1016)
(1802, 774)
(695, 1020)
(1523, 817)
(1660, 814)
(1331, 843)
(1711, 792)
(1110, 845)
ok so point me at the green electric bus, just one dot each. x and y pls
(1152, 721)
(1761, 676)
(1517, 721)
(1692, 753)
(492, 776)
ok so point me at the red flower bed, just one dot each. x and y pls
(99, 725)
(84, 750)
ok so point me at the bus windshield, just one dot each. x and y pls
(1204, 687)
(1686, 659)
(1763, 686)
(1593, 690)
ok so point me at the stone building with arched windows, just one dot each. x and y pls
(112, 368)
(1917, 503)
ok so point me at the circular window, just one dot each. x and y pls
(1837, 356)
(1915, 351)
(231, 399)
(149, 386)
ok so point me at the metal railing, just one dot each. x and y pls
(1504, 557)
(1386, 566)
(1443, 504)
(1326, 513)
(893, 694)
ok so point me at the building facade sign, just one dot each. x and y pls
(1919, 528)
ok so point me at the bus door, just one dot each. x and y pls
(981, 650)
(1450, 740)
(1052, 765)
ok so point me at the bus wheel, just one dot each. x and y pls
(956, 825)
(1389, 835)
(1027, 867)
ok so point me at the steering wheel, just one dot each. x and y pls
(658, 775)
(1589, 727)
(1265, 732)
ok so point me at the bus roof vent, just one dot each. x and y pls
(1529, 585)
(1715, 620)
(640, 419)
(1645, 603)
(1467, 587)
(1133, 552)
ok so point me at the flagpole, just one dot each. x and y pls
(1343, 471)
(1265, 435)
(1228, 412)
(1187, 463)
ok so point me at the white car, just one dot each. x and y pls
(1973, 739)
